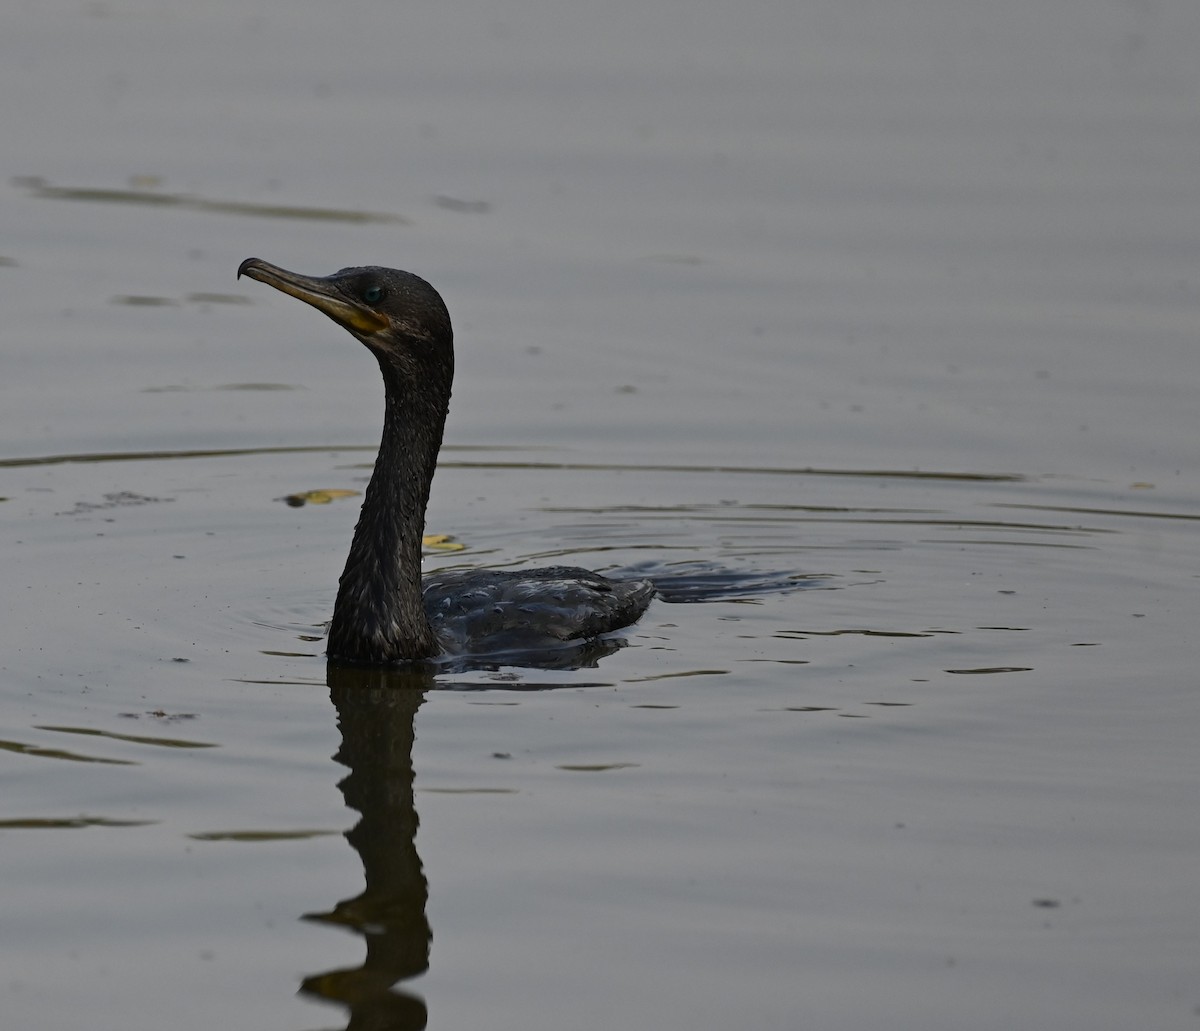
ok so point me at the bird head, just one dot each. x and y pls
(399, 316)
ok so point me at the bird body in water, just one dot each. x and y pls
(385, 612)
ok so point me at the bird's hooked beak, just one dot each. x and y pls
(322, 292)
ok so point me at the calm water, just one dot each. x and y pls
(897, 297)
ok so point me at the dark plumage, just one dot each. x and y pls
(384, 613)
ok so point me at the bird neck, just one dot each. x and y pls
(379, 615)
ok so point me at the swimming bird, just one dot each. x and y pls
(385, 612)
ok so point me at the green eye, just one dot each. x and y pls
(373, 294)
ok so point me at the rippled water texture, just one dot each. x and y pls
(884, 314)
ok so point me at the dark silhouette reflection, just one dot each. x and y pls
(376, 708)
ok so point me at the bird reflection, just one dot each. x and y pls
(376, 708)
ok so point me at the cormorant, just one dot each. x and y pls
(384, 612)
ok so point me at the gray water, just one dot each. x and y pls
(897, 299)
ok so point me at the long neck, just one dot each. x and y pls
(379, 615)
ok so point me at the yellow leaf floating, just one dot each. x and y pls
(317, 497)
(441, 542)
(433, 541)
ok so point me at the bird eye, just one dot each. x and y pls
(373, 294)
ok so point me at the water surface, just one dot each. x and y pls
(898, 300)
